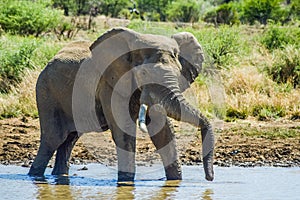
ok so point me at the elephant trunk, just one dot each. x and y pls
(180, 110)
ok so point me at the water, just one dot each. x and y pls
(99, 182)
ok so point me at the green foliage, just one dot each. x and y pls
(112, 8)
(73, 7)
(295, 10)
(224, 14)
(28, 17)
(286, 66)
(232, 114)
(154, 10)
(261, 11)
(277, 36)
(221, 44)
(17, 54)
(268, 112)
(14, 59)
(269, 133)
(183, 11)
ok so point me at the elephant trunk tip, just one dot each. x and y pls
(209, 177)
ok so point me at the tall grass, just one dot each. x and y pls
(18, 53)
(21, 60)
(250, 90)
(21, 100)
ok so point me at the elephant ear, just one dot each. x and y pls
(191, 57)
(111, 54)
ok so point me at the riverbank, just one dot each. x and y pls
(245, 143)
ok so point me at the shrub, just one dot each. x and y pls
(224, 14)
(28, 17)
(277, 37)
(233, 114)
(155, 10)
(295, 10)
(14, 59)
(113, 8)
(183, 11)
(220, 44)
(268, 112)
(286, 66)
(261, 11)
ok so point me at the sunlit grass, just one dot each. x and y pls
(248, 89)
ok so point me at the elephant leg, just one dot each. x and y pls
(52, 136)
(63, 154)
(40, 163)
(123, 130)
(126, 147)
(164, 141)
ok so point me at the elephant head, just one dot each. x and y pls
(161, 68)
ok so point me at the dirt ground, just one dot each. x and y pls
(237, 143)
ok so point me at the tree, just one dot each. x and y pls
(76, 7)
(183, 10)
(223, 14)
(155, 8)
(261, 11)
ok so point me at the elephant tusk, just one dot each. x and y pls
(142, 118)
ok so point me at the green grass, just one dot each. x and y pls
(238, 55)
(268, 132)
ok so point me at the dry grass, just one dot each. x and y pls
(21, 100)
(247, 89)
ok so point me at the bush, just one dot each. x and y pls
(224, 14)
(28, 17)
(233, 114)
(277, 37)
(286, 66)
(261, 11)
(14, 59)
(183, 11)
(295, 10)
(268, 112)
(220, 44)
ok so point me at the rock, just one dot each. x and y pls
(83, 168)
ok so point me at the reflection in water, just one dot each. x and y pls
(47, 191)
(60, 188)
(167, 190)
(128, 191)
(272, 183)
(125, 190)
(207, 194)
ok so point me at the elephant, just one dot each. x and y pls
(121, 81)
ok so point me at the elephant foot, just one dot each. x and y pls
(173, 171)
(208, 167)
(62, 180)
(36, 171)
(60, 170)
(125, 176)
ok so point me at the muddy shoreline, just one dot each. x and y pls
(244, 143)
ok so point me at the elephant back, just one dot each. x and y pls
(74, 52)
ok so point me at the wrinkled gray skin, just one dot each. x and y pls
(171, 64)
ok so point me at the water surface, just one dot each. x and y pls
(99, 182)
